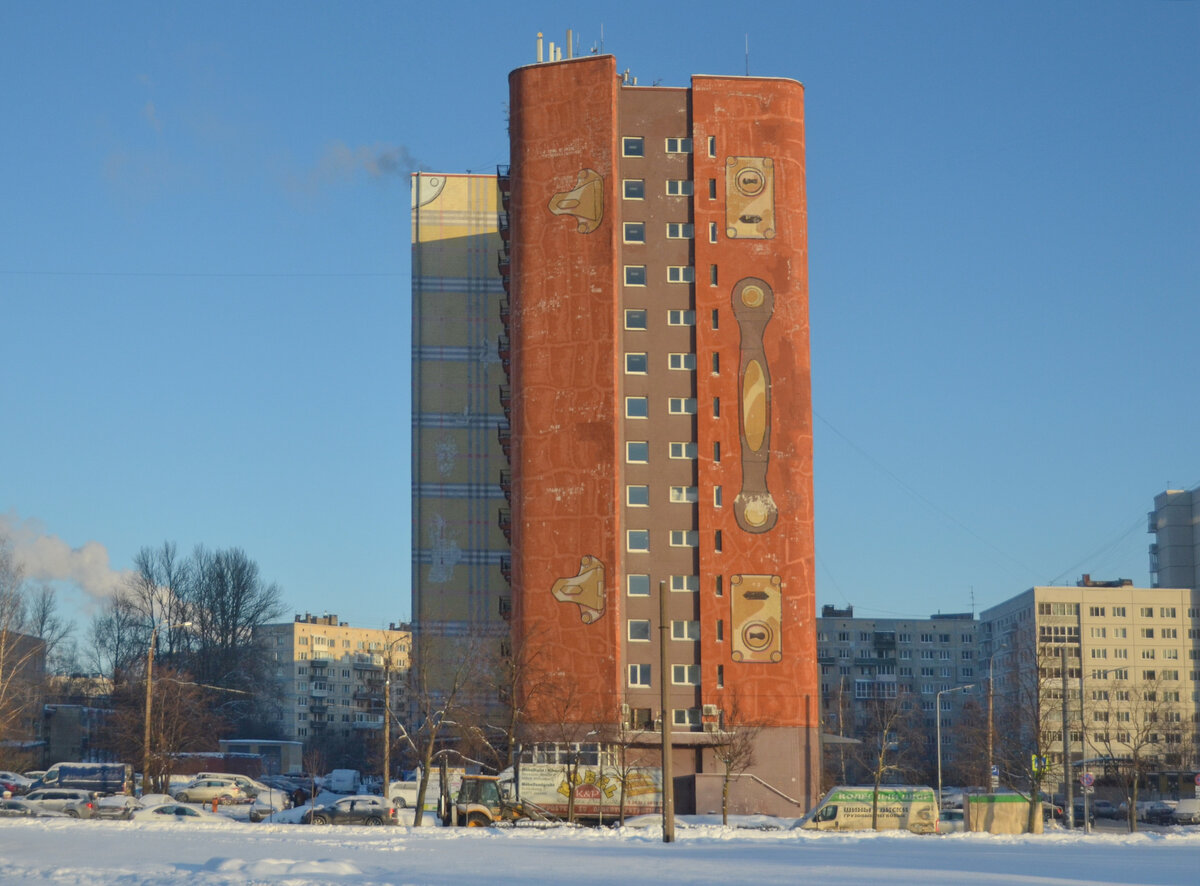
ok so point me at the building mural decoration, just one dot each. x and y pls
(585, 202)
(753, 304)
(444, 551)
(749, 198)
(586, 589)
(757, 614)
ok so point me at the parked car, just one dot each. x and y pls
(357, 809)
(117, 806)
(23, 808)
(57, 799)
(204, 790)
(14, 782)
(1104, 809)
(1160, 812)
(1187, 812)
(180, 813)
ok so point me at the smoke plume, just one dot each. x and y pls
(49, 558)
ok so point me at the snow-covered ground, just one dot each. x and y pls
(117, 853)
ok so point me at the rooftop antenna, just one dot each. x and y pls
(747, 55)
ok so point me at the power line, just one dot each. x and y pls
(203, 274)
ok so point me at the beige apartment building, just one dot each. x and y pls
(1132, 676)
(333, 676)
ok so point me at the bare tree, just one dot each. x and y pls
(22, 656)
(1136, 724)
(892, 737)
(182, 720)
(732, 744)
(445, 673)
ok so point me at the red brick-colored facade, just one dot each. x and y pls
(661, 414)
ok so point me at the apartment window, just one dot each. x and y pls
(681, 318)
(1147, 612)
(719, 586)
(680, 231)
(635, 363)
(635, 319)
(635, 232)
(712, 232)
(681, 274)
(720, 675)
(681, 361)
(712, 146)
(717, 541)
(637, 451)
(638, 585)
(684, 538)
(682, 405)
(685, 675)
(679, 146)
(637, 540)
(1096, 611)
(716, 319)
(1099, 633)
(635, 275)
(687, 717)
(685, 630)
(1118, 612)
(683, 450)
(716, 407)
(1120, 653)
(639, 630)
(716, 363)
(637, 407)
(720, 631)
(1120, 633)
(639, 675)
(679, 187)
(1166, 612)
(633, 146)
(634, 189)
(1170, 633)
(718, 497)
(712, 189)
(1147, 633)
(690, 583)
(717, 451)
(637, 496)
(684, 494)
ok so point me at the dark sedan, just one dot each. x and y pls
(359, 809)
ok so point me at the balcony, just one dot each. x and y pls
(367, 694)
(505, 608)
(319, 693)
(506, 568)
(504, 437)
(317, 704)
(372, 722)
(364, 663)
(503, 348)
(505, 312)
(318, 662)
(504, 520)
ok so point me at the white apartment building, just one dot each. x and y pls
(333, 676)
(1132, 671)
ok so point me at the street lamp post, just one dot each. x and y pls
(146, 755)
(990, 731)
(937, 703)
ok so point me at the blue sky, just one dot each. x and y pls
(204, 275)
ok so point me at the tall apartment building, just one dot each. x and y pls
(332, 676)
(1175, 553)
(460, 565)
(1132, 672)
(659, 394)
(864, 660)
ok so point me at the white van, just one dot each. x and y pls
(900, 807)
(343, 781)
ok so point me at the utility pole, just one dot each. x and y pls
(1069, 803)
(668, 783)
